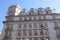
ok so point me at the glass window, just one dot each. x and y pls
(58, 24)
(10, 19)
(20, 18)
(55, 23)
(39, 24)
(58, 31)
(24, 32)
(35, 18)
(42, 38)
(18, 39)
(29, 38)
(19, 33)
(25, 26)
(58, 38)
(30, 32)
(19, 25)
(45, 25)
(8, 33)
(43, 17)
(46, 32)
(35, 32)
(29, 18)
(57, 16)
(25, 18)
(32, 18)
(40, 11)
(30, 25)
(39, 17)
(41, 32)
(9, 25)
(35, 38)
(35, 25)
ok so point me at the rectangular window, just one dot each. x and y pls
(55, 23)
(35, 33)
(35, 18)
(45, 24)
(24, 33)
(24, 25)
(19, 25)
(30, 18)
(40, 11)
(39, 25)
(43, 17)
(25, 18)
(29, 38)
(58, 31)
(19, 33)
(46, 32)
(35, 25)
(8, 33)
(30, 32)
(35, 38)
(10, 19)
(9, 26)
(41, 32)
(39, 17)
(30, 25)
(20, 18)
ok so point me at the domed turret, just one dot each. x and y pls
(14, 10)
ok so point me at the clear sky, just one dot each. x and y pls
(4, 4)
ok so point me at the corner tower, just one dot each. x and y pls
(14, 10)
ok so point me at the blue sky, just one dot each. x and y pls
(4, 4)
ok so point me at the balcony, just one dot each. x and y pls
(58, 36)
(8, 29)
(57, 27)
(6, 37)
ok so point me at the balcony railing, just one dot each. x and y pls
(6, 36)
(8, 29)
(58, 36)
(57, 27)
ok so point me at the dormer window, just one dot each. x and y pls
(48, 10)
(32, 11)
(40, 10)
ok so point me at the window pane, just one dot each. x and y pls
(30, 25)
(24, 25)
(19, 25)
(35, 32)
(30, 32)
(35, 25)
(19, 33)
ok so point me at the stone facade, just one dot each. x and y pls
(35, 24)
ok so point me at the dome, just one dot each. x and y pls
(15, 5)
(14, 9)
